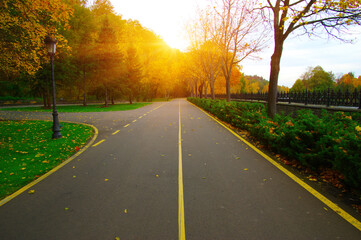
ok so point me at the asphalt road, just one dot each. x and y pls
(128, 186)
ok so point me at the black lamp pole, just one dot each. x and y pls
(51, 46)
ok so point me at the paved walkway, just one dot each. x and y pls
(128, 186)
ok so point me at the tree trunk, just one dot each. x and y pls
(228, 88)
(205, 90)
(84, 100)
(212, 90)
(273, 80)
(196, 90)
(130, 97)
(106, 98)
(200, 90)
(44, 99)
(84, 89)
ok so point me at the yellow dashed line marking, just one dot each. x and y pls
(98, 143)
(329, 203)
(135, 120)
(140, 117)
(127, 125)
(115, 132)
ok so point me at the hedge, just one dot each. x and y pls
(332, 140)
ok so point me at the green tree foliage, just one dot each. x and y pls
(109, 58)
(298, 86)
(133, 75)
(315, 79)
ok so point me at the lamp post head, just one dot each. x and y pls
(50, 45)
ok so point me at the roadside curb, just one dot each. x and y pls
(26, 187)
(342, 213)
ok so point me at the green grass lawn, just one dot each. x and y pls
(81, 108)
(27, 150)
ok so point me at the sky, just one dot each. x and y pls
(167, 18)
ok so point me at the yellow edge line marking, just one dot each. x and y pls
(98, 143)
(116, 132)
(127, 125)
(181, 225)
(26, 187)
(329, 203)
(135, 120)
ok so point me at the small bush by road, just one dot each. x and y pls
(331, 141)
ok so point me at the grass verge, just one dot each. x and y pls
(81, 108)
(27, 150)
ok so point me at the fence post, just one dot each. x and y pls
(306, 98)
(328, 98)
(289, 97)
(359, 101)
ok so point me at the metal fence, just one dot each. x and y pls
(328, 97)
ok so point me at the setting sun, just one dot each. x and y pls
(166, 18)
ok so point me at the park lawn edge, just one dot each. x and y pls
(56, 168)
(80, 108)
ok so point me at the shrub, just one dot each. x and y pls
(332, 140)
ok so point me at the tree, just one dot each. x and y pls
(82, 39)
(316, 79)
(23, 27)
(109, 58)
(298, 86)
(235, 30)
(310, 17)
(205, 51)
(348, 82)
(133, 73)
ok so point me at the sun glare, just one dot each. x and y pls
(176, 42)
(166, 18)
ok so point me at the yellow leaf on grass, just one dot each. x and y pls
(106, 180)
(246, 169)
(125, 211)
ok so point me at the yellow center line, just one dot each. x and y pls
(127, 125)
(315, 193)
(181, 225)
(115, 132)
(98, 143)
(140, 117)
(135, 120)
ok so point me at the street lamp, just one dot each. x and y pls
(51, 47)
